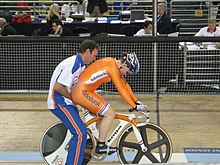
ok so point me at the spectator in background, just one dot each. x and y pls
(6, 14)
(21, 17)
(164, 25)
(59, 29)
(65, 11)
(146, 31)
(53, 13)
(97, 8)
(210, 31)
(22, 14)
(6, 29)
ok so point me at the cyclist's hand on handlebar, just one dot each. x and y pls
(140, 107)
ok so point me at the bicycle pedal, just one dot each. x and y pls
(98, 157)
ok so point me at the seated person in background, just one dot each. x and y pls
(58, 28)
(209, 31)
(97, 8)
(21, 17)
(22, 14)
(65, 11)
(53, 13)
(146, 31)
(6, 29)
(164, 25)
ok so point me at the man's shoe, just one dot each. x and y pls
(104, 149)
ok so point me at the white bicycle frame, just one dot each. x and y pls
(124, 120)
(59, 156)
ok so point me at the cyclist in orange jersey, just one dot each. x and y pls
(103, 71)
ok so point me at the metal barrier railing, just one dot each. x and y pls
(41, 7)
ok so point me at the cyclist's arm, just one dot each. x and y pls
(130, 90)
(115, 75)
(60, 88)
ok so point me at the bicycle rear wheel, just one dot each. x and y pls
(55, 142)
(159, 150)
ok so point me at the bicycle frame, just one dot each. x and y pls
(124, 120)
(144, 144)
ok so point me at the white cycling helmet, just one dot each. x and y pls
(132, 62)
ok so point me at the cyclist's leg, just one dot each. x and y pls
(90, 100)
(69, 115)
(93, 102)
(106, 123)
(104, 127)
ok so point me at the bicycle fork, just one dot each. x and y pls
(137, 130)
(132, 120)
(138, 133)
(139, 138)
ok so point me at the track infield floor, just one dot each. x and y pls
(192, 122)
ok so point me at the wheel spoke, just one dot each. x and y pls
(157, 144)
(151, 157)
(131, 145)
(137, 157)
(148, 132)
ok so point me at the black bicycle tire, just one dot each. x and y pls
(89, 146)
(153, 127)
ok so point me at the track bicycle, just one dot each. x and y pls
(138, 143)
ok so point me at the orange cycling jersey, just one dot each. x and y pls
(99, 72)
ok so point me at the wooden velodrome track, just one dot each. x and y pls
(190, 120)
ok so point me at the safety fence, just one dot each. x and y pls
(27, 63)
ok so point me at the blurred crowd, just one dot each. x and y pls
(55, 15)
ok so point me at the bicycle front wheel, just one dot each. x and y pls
(155, 139)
